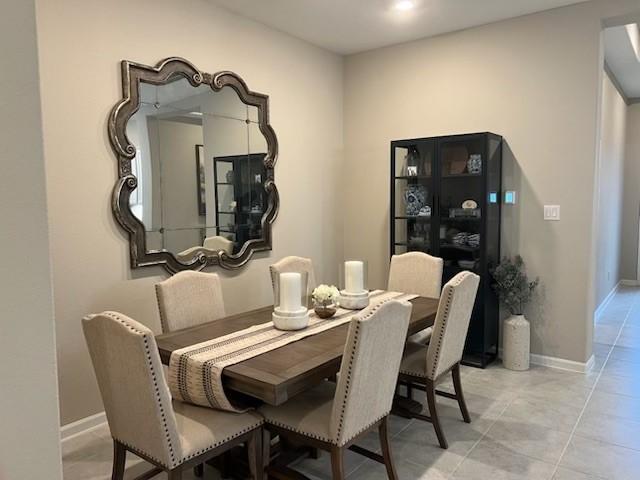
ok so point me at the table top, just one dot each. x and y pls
(278, 375)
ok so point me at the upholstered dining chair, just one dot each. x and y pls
(332, 417)
(143, 420)
(420, 274)
(189, 298)
(426, 366)
(291, 264)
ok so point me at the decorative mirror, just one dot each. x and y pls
(196, 159)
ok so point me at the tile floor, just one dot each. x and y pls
(541, 424)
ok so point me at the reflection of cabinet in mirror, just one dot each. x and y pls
(172, 123)
(241, 198)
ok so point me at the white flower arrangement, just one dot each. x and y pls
(325, 295)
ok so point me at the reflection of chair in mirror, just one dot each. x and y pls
(291, 264)
(211, 244)
(218, 243)
(188, 299)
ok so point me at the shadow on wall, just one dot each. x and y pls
(516, 222)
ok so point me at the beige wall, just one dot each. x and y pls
(82, 43)
(533, 79)
(629, 257)
(609, 189)
(29, 438)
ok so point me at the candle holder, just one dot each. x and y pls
(354, 295)
(290, 301)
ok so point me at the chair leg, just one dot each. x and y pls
(198, 470)
(383, 430)
(337, 463)
(433, 413)
(409, 390)
(175, 474)
(457, 386)
(119, 458)
(266, 450)
(254, 450)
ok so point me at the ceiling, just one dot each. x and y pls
(350, 26)
(622, 59)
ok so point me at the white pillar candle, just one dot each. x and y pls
(290, 292)
(354, 276)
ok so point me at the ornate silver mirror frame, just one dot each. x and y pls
(132, 76)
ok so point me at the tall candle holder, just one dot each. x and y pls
(354, 295)
(290, 303)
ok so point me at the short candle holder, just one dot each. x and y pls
(283, 320)
(354, 301)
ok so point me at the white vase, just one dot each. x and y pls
(516, 343)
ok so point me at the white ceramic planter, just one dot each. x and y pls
(516, 343)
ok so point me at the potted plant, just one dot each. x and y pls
(324, 300)
(514, 291)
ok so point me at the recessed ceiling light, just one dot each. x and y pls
(404, 5)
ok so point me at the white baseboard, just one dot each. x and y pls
(563, 364)
(607, 299)
(630, 283)
(559, 363)
(83, 425)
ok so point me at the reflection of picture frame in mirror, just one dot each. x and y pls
(202, 186)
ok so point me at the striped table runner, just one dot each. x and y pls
(195, 372)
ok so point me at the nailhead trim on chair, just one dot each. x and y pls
(445, 316)
(348, 377)
(163, 321)
(222, 442)
(145, 338)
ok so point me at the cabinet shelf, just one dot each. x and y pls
(413, 177)
(414, 217)
(461, 175)
(462, 248)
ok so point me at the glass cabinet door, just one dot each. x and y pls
(461, 202)
(413, 195)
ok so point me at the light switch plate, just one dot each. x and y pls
(552, 212)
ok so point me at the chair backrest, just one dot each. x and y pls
(291, 264)
(369, 369)
(452, 323)
(218, 243)
(189, 298)
(134, 392)
(417, 273)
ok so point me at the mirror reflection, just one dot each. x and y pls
(199, 164)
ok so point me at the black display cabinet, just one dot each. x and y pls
(445, 201)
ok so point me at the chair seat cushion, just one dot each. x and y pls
(423, 337)
(308, 413)
(414, 360)
(202, 429)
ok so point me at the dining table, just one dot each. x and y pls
(278, 375)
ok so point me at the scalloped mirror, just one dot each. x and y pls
(196, 156)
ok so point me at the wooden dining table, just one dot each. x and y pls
(278, 375)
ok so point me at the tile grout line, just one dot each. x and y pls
(593, 388)
(391, 438)
(481, 437)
